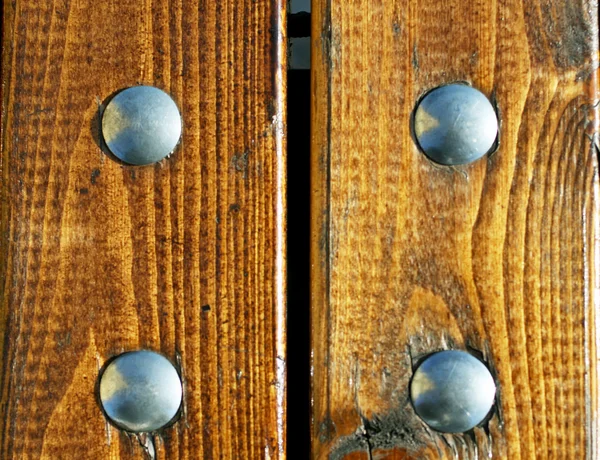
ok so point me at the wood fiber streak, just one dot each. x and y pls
(499, 257)
(184, 257)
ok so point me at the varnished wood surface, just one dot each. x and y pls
(499, 257)
(184, 257)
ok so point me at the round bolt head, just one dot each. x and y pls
(452, 391)
(141, 125)
(455, 124)
(140, 391)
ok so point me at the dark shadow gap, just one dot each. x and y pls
(298, 258)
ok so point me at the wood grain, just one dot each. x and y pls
(499, 257)
(184, 257)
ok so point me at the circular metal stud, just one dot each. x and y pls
(452, 391)
(141, 125)
(455, 124)
(140, 391)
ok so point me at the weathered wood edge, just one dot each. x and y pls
(6, 26)
(280, 120)
(320, 216)
(592, 381)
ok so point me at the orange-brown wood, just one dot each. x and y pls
(499, 257)
(185, 257)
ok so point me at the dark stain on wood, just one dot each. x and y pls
(386, 432)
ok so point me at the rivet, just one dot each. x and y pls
(141, 125)
(455, 124)
(452, 391)
(140, 391)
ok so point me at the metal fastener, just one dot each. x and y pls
(141, 125)
(452, 391)
(455, 124)
(140, 391)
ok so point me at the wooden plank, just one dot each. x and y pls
(499, 257)
(185, 257)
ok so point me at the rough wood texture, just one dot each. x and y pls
(184, 257)
(500, 257)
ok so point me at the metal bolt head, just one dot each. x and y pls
(455, 124)
(140, 391)
(141, 125)
(452, 391)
